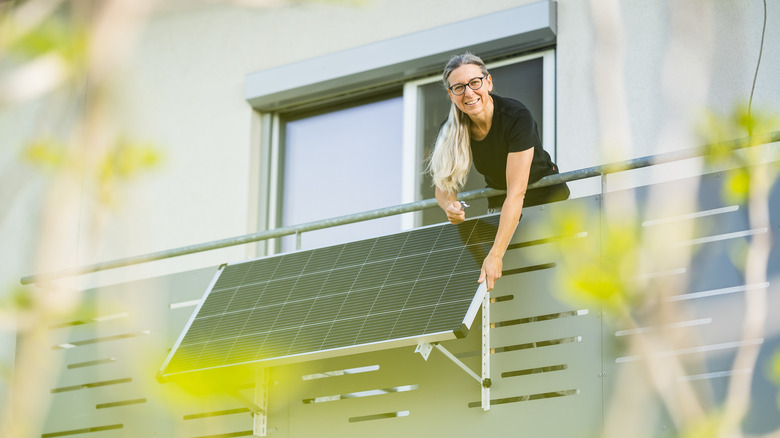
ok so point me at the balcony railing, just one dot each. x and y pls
(589, 172)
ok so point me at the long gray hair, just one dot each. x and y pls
(450, 161)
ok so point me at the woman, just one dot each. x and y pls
(500, 137)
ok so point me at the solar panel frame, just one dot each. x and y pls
(394, 290)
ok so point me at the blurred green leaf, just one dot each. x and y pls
(56, 35)
(737, 186)
(774, 373)
(22, 299)
(127, 159)
(45, 153)
(717, 130)
(598, 272)
(706, 428)
(122, 162)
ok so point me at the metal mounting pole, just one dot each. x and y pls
(258, 404)
(486, 383)
(260, 418)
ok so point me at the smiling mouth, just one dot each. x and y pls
(473, 102)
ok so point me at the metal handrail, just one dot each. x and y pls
(574, 175)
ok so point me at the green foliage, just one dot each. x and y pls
(774, 373)
(19, 299)
(56, 35)
(121, 162)
(46, 154)
(707, 427)
(602, 275)
(125, 161)
(719, 130)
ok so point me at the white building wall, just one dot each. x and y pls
(638, 77)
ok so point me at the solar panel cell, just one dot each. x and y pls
(377, 327)
(407, 269)
(201, 329)
(260, 270)
(276, 292)
(357, 303)
(293, 314)
(217, 302)
(471, 258)
(387, 247)
(292, 265)
(458, 284)
(234, 278)
(411, 322)
(307, 339)
(214, 353)
(340, 280)
(186, 357)
(261, 320)
(343, 332)
(324, 308)
(452, 236)
(426, 292)
(324, 259)
(372, 274)
(445, 315)
(307, 286)
(277, 344)
(245, 348)
(355, 253)
(440, 263)
(230, 324)
(391, 298)
(420, 241)
(245, 297)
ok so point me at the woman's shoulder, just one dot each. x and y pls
(510, 107)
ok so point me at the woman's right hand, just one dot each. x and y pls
(455, 212)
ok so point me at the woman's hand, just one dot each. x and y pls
(455, 212)
(452, 208)
(491, 270)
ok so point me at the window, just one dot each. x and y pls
(338, 163)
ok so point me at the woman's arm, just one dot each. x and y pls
(518, 168)
(449, 203)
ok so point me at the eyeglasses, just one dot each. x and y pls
(474, 84)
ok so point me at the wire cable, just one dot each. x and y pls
(758, 64)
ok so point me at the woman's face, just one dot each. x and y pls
(471, 102)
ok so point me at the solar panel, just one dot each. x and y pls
(393, 290)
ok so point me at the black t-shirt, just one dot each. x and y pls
(513, 130)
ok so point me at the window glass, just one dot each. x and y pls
(521, 81)
(342, 162)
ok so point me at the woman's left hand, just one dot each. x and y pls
(491, 270)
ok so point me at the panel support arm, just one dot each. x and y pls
(484, 380)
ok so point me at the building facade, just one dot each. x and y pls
(292, 112)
